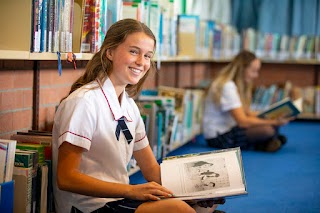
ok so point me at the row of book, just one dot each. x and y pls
(306, 98)
(52, 25)
(281, 47)
(178, 35)
(172, 117)
(30, 160)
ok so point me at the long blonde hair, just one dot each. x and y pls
(235, 71)
(100, 67)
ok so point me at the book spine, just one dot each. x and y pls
(86, 43)
(44, 20)
(56, 26)
(22, 189)
(51, 10)
(37, 12)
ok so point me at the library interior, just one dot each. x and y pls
(46, 46)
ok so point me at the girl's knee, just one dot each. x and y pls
(169, 205)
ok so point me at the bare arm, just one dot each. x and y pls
(69, 178)
(148, 164)
(245, 121)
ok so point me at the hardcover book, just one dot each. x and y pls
(205, 175)
(7, 153)
(284, 108)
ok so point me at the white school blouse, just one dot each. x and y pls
(88, 118)
(217, 119)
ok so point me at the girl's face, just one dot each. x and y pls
(252, 71)
(131, 59)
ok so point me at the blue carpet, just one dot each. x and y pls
(285, 181)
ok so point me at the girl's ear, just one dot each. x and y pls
(109, 54)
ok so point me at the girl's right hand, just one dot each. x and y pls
(148, 191)
(283, 121)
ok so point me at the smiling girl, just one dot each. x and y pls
(98, 127)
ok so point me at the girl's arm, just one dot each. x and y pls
(148, 164)
(243, 120)
(69, 178)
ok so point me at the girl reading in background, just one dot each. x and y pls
(228, 121)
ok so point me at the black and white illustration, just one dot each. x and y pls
(206, 175)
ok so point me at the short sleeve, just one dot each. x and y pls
(230, 98)
(76, 119)
(141, 139)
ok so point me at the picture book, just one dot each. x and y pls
(205, 175)
(284, 108)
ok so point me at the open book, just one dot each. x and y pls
(204, 175)
(284, 108)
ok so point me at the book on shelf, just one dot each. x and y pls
(205, 175)
(22, 189)
(42, 189)
(284, 108)
(36, 137)
(188, 27)
(26, 159)
(7, 153)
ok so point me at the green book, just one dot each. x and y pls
(23, 159)
(38, 147)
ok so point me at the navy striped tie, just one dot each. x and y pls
(123, 126)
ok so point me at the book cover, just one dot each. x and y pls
(22, 189)
(205, 175)
(7, 153)
(284, 108)
(38, 147)
(188, 31)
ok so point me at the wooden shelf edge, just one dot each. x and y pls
(26, 55)
(309, 116)
(14, 55)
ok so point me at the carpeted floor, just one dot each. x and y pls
(285, 181)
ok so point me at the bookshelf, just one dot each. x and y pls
(15, 40)
(15, 44)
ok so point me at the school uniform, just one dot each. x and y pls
(88, 118)
(220, 128)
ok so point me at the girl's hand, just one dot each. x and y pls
(148, 191)
(283, 121)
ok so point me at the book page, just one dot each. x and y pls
(210, 175)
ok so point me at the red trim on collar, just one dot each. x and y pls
(75, 135)
(105, 96)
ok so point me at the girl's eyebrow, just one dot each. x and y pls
(151, 51)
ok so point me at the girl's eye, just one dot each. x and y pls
(134, 52)
(148, 56)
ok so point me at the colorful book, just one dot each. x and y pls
(37, 147)
(36, 138)
(282, 109)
